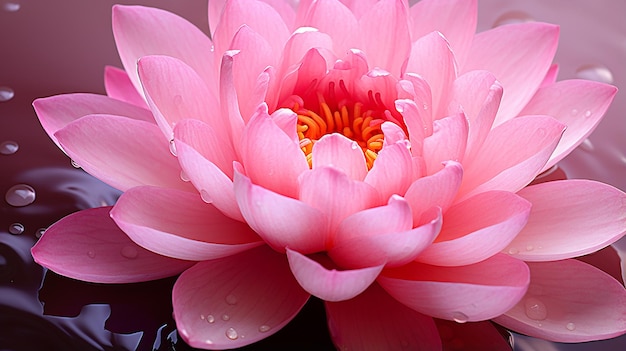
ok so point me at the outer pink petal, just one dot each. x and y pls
(281, 221)
(455, 19)
(477, 228)
(141, 31)
(121, 152)
(336, 195)
(519, 55)
(569, 301)
(271, 159)
(118, 86)
(475, 292)
(579, 104)
(374, 321)
(512, 155)
(551, 76)
(382, 235)
(189, 230)
(386, 19)
(392, 170)
(335, 150)
(335, 19)
(330, 284)
(447, 143)
(87, 245)
(438, 189)
(481, 336)
(569, 218)
(55, 112)
(284, 8)
(237, 300)
(174, 92)
(432, 58)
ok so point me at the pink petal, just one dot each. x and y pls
(335, 150)
(179, 224)
(271, 159)
(229, 101)
(455, 19)
(87, 245)
(382, 235)
(386, 19)
(439, 189)
(281, 221)
(432, 59)
(375, 321)
(477, 228)
(142, 31)
(512, 155)
(472, 336)
(336, 20)
(336, 195)
(206, 159)
(284, 8)
(569, 301)
(121, 152)
(55, 112)
(418, 121)
(259, 16)
(300, 42)
(569, 218)
(475, 292)
(447, 143)
(579, 104)
(391, 173)
(175, 92)
(118, 86)
(330, 284)
(551, 76)
(519, 55)
(233, 301)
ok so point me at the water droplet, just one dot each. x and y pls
(570, 326)
(513, 251)
(459, 317)
(20, 195)
(574, 112)
(6, 93)
(529, 247)
(512, 17)
(354, 145)
(588, 114)
(9, 147)
(11, 6)
(40, 232)
(535, 309)
(210, 318)
(184, 176)
(129, 252)
(74, 164)
(231, 333)
(16, 228)
(91, 254)
(598, 73)
(264, 328)
(173, 147)
(225, 317)
(586, 145)
(205, 196)
(425, 107)
(231, 299)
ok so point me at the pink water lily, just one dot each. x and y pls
(374, 155)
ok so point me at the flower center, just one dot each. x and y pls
(352, 120)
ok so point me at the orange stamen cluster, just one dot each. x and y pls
(361, 126)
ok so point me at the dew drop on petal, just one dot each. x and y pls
(74, 164)
(173, 147)
(459, 317)
(205, 196)
(225, 317)
(570, 326)
(91, 254)
(597, 73)
(529, 247)
(574, 112)
(184, 176)
(6, 93)
(40, 232)
(129, 252)
(264, 328)
(588, 113)
(513, 251)
(354, 145)
(16, 228)
(20, 195)
(9, 147)
(512, 17)
(231, 299)
(231, 333)
(210, 318)
(535, 309)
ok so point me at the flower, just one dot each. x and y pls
(375, 155)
